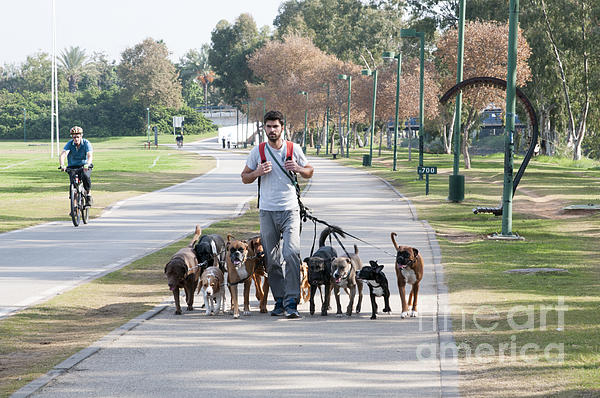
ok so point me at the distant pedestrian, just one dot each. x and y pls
(228, 143)
(223, 139)
(279, 210)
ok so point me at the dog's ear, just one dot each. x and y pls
(251, 245)
(373, 263)
(306, 260)
(229, 238)
(415, 252)
(166, 268)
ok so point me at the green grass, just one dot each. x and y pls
(33, 191)
(483, 295)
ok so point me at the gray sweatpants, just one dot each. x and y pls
(280, 234)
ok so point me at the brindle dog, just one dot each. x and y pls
(257, 262)
(182, 271)
(319, 270)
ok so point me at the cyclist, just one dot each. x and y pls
(79, 153)
(179, 139)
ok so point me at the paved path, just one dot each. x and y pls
(38, 262)
(162, 355)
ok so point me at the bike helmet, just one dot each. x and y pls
(76, 130)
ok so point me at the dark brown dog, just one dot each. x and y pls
(257, 262)
(409, 269)
(182, 271)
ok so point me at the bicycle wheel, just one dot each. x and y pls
(75, 212)
(85, 211)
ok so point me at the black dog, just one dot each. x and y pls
(378, 285)
(210, 251)
(319, 269)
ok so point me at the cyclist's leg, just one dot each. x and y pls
(86, 178)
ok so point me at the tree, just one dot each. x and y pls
(231, 45)
(485, 54)
(193, 68)
(73, 62)
(148, 76)
(348, 29)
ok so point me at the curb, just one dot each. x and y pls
(76, 358)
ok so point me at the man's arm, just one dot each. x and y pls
(249, 175)
(61, 158)
(90, 157)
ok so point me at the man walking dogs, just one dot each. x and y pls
(274, 163)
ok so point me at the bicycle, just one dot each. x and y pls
(80, 210)
(179, 140)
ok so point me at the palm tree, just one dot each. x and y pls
(73, 61)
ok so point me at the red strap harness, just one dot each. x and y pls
(288, 155)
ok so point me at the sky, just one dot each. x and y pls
(111, 26)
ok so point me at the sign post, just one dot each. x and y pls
(426, 170)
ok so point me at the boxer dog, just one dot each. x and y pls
(183, 272)
(210, 251)
(409, 269)
(344, 273)
(238, 271)
(378, 286)
(212, 288)
(319, 270)
(257, 264)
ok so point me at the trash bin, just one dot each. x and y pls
(366, 160)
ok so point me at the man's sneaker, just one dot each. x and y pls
(291, 310)
(278, 310)
(89, 200)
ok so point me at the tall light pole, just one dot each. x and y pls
(327, 121)
(349, 78)
(373, 73)
(509, 145)
(420, 35)
(148, 125)
(456, 182)
(262, 117)
(392, 55)
(305, 120)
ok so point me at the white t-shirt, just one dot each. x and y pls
(277, 192)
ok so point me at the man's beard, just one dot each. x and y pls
(275, 139)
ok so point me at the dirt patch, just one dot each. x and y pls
(460, 236)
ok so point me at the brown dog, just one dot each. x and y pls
(344, 270)
(238, 271)
(182, 271)
(212, 288)
(409, 269)
(257, 262)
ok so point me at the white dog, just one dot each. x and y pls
(211, 285)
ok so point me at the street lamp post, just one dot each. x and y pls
(456, 187)
(392, 55)
(305, 120)
(420, 35)
(148, 125)
(349, 78)
(263, 116)
(367, 72)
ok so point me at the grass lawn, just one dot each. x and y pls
(33, 190)
(519, 335)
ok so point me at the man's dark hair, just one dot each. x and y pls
(274, 115)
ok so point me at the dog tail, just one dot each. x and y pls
(393, 235)
(197, 234)
(328, 231)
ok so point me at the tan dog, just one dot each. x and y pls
(182, 271)
(212, 288)
(256, 263)
(304, 285)
(237, 272)
(409, 269)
